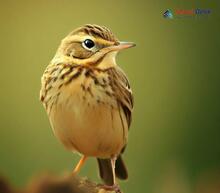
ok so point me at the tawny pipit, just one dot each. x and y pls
(88, 98)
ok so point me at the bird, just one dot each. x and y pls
(89, 101)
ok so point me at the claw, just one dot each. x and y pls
(114, 187)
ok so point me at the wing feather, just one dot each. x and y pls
(122, 91)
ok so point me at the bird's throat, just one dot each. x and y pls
(107, 61)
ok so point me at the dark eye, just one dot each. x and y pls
(88, 44)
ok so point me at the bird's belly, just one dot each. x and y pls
(92, 125)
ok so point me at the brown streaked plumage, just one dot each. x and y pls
(88, 99)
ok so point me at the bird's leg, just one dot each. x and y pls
(113, 160)
(115, 187)
(79, 164)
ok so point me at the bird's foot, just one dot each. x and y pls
(114, 187)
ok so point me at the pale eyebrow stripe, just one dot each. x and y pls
(81, 38)
(105, 42)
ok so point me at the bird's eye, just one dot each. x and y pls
(88, 44)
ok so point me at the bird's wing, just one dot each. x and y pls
(122, 92)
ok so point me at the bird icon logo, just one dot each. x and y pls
(168, 14)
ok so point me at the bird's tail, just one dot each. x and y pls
(106, 170)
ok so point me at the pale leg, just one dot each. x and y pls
(80, 164)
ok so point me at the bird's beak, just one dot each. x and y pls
(122, 46)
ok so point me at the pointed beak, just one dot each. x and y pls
(122, 46)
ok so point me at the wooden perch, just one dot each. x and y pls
(48, 183)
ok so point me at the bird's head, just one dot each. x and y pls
(91, 45)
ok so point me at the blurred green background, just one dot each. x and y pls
(174, 143)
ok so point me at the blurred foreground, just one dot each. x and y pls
(48, 183)
(172, 181)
